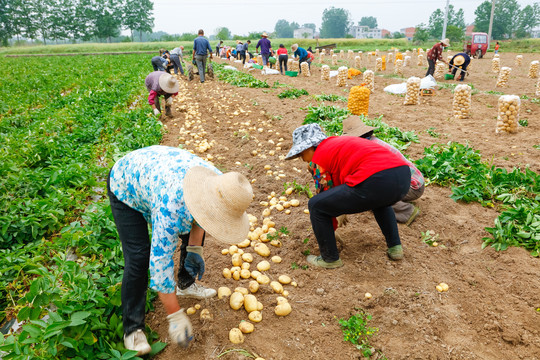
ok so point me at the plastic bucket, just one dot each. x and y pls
(448, 76)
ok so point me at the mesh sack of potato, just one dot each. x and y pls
(503, 76)
(440, 70)
(496, 56)
(342, 76)
(519, 60)
(407, 61)
(334, 59)
(352, 72)
(259, 60)
(538, 87)
(331, 52)
(399, 56)
(289, 64)
(295, 66)
(496, 65)
(461, 105)
(341, 54)
(378, 64)
(383, 62)
(398, 70)
(369, 56)
(358, 102)
(390, 57)
(508, 118)
(321, 58)
(357, 62)
(533, 69)
(316, 51)
(420, 60)
(305, 69)
(350, 54)
(325, 72)
(369, 80)
(412, 97)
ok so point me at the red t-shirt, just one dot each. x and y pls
(282, 51)
(351, 160)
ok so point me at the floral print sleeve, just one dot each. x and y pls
(323, 180)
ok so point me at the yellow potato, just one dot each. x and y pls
(253, 286)
(285, 293)
(223, 292)
(206, 315)
(247, 257)
(227, 273)
(225, 251)
(293, 283)
(263, 266)
(263, 279)
(197, 306)
(283, 309)
(284, 279)
(233, 249)
(276, 243)
(236, 259)
(244, 243)
(259, 306)
(250, 303)
(191, 311)
(236, 300)
(245, 266)
(444, 286)
(262, 249)
(236, 275)
(281, 300)
(245, 274)
(235, 268)
(276, 259)
(289, 191)
(255, 316)
(277, 287)
(255, 274)
(242, 290)
(246, 327)
(236, 336)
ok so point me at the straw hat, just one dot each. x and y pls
(305, 137)
(168, 83)
(446, 42)
(459, 60)
(219, 202)
(264, 34)
(354, 126)
(294, 47)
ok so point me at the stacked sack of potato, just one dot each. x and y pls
(325, 72)
(305, 69)
(519, 59)
(295, 66)
(533, 69)
(334, 59)
(321, 58)
(420, 60)
(496, 65)
(358, 102)
(350, 54)
(462, 101)
(341, 54)
(289, 64)
(357, 62)
(503, 76)
(259, 60)
(440, 70)
(413, 91)
(407, 61)
(508, 118)
(390, 57)
(342, 76)
(378, 64)
(398, 70)
(369, 80)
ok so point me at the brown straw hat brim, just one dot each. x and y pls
(210, 209)
(354, 126)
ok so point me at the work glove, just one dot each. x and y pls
(169, 100)
(194, 263)
(180, 330)
(156, 112)
(342, 220)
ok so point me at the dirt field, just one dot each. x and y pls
(489, 311)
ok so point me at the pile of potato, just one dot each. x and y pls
(305, 69)
(413, 91)
(420, 60)
(398, 70)
(503, 76)
(378, 64)
(533, 69)
(342, 76)
(369, 80)
(357, 62)
(440, 70)
(334, 59)
(358, 102)
(519, 59)
(508, 118)
(496, 65)
(350, 54)
(325, 72)
(341, 54)
(407, 61)
(462, 101)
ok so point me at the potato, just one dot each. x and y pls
(255, 274)
(244, 243)
(223, 291)
(263, 266)
(242, 290)
(236, 275)
(276, 259)
(259, 306)
(191, 311)
(444, 286)
(227, 273)
(281, 300)
(284, 279)
(293, 283)
(263, 238)
(263, 279)
(246, 327)
(233, 249)
(276, 243)
(262, 249)
(368, 295)
(245, 266)
(289, 191)
(250, 303)
(266, 212)
(285, 293)
(247, 257)
(277, 287)
(253, 286)
(236, 300)
(235, 268)
(197, 306)
(236, 336)
(439, 288)
(245, 274)
(236, 259)
(283, 309)
(225, 251)
(206, 315)
(255, 316)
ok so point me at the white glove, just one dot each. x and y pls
(180, 330)
(169, 101)
(342, 220)
(156, 112)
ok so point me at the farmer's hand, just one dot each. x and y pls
(194, 262)
(169, 101)
(180, 329)
(156, 112)
(342, 220)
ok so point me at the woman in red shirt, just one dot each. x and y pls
(352, 175)
(282, 58)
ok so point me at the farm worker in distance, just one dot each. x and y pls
(159, 63)
(246, 49)
(159, 83)
(182, 197)
(218, 46)
(201, 48)
(283, 57)
(266, 48)
(241, 54)
(434, 54)
(352, 175)
(300, 54)
(497, 47)
(176, 55)
(461, 61)
(404, 210)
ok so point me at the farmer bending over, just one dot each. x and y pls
(160, 83)
(434, 54)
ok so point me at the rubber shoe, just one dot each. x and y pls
(136, 341)
(196, 291)
(413, 216)
(395, 252)
(318, 261)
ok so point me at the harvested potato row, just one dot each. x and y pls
(407, 61)
(496, 65)
(533, 69)
(358, 102)
(342, 76)
(462, 101)
(508, 118)
(503, 76)
(305, 69)
(420, 60)
(413, 91)
(440, 70)
(369, 79)
(519, 60)
(334, 59)
(398, 70)
(378, 64)
(357, 62)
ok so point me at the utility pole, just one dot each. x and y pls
(445, 20)
(491, 21)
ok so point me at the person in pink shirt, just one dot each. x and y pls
(283, 57)
(160, 83)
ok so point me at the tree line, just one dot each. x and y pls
(53, 20)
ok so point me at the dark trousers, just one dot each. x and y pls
(157, 64)
(200, 60)
(377, 193)
(461, 67)
(304, 59)
(283, 62)
(177, 64)
(133, 233)
(243, 56)
(431, 67)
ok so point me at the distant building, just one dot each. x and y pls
(364, 32)
(469, 30)
(303, 33)
(409, 32)
(385, 32)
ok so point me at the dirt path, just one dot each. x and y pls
(489, 311)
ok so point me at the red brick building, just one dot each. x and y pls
(409, 32)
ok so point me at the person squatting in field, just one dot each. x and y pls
(351, 175)
(158, 84)
(182, 196)
(459, 61)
